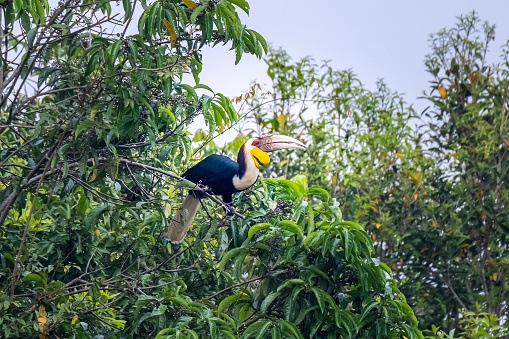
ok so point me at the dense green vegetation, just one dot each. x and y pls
(93, 128)
(431, 188)
(391, 222)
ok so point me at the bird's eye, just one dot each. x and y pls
(256, 142)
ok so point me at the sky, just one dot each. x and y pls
(377, 39)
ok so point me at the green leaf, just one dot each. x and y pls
(256, 327)
(220, 111)
(337, 316)
(291, 226)
(367, 309)
(207, 114)
(227, 106)
(290, 282)
(40, 12)
(262, 331)
(268, 301)
(275, 333)
(18, 6)
(319, 297)
(291, 308)
(242, 4)
(94, 214)
(197, 11)
(347, 243)
(191, 93)
(316, 190)
(127, 9)
(32, 277)
(84, 126)
(202, 86)
(31, 34)
(257, 227)
(292, 328)
(230, 254)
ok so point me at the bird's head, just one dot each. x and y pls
(260, 146)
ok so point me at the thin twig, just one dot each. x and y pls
(237, 285)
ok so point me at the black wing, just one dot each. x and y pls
(215, 171)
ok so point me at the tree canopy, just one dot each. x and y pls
(93, 129)
(430, 187)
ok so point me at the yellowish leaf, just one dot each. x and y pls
(426, 294)
(492, 262)
(506, 142)
(190, 3)
(97, 233)
(377, 225)
(43, 316)
(333, 180)
(416, 195)
(416, 179)
(116, 172)
(74, 319)
(173, 35)
(483, 216)
(191, 239)
(474, 78)
(442, 91)
(94, 175)
(373, 236)
(248, 258)
(424, 249)
(399, 155)
(494, 276)
(464, 245)
(42, 336)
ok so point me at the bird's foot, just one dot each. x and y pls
(229, 208)
(206, 189)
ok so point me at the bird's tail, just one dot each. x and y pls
(181, 222)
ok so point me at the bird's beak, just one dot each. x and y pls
(270, 143)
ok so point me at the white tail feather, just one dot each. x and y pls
(176, 230)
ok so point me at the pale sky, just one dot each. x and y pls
(377, 39)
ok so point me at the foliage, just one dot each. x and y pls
(430, 189)
(93, 126)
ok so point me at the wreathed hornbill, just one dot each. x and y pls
(224, 177)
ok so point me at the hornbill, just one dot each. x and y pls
(223, 176)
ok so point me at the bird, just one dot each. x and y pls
(223, 176)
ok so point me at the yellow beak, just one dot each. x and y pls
(260, 158)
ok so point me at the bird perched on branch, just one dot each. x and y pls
(223, 176)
